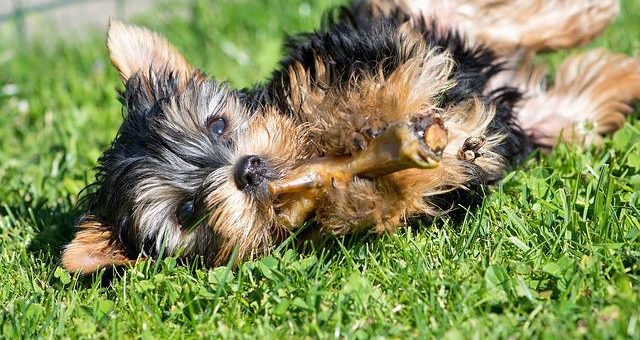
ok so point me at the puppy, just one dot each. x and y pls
(365, 124)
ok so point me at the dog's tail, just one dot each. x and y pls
(590, 97)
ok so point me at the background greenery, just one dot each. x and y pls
(553, 252)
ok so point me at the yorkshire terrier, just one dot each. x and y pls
(394, 110)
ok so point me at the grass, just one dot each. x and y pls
(553, 252)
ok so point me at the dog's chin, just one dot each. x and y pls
(262, 200)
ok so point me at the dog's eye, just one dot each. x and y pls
(217, 126)
(186, 215)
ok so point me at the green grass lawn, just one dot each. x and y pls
(554, 251)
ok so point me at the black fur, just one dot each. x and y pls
(355, 44)
(142, 151)
(146, 148)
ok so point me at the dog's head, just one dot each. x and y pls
(188, 170)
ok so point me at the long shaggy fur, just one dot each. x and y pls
(506, 26)
(589, 98)
(181, 178)
(357, 75)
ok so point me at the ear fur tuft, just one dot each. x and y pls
(134, 49)
(93, 248)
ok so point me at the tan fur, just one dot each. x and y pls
(336, 116)
(133, 49)
(339, 115)
(589, 98)
(233, 214)
(390, 200)
(382, 204)
(377, 8)
(235, 219)
(507, 26)
(91, 249)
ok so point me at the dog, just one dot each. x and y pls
(393, 110)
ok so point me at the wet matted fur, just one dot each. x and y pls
(188, 171)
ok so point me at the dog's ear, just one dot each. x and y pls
(93, 247)
(135, 49)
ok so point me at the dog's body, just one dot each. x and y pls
(386, 114)
(353, 79)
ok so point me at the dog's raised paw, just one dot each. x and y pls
(471, 148)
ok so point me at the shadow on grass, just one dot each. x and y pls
(53, 224)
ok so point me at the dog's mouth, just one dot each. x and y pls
(417, 143)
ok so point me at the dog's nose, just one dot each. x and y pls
(250, 172)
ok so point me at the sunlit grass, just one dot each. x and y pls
(554, 251)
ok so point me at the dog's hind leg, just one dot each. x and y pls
(505, 26)
(590, 97)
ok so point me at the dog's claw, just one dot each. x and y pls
(471, 148)
(359, 142)
(474, 143)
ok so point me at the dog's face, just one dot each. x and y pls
(188, 171)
